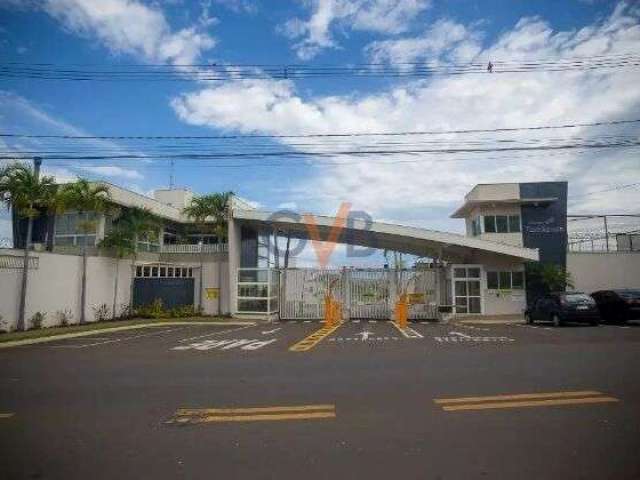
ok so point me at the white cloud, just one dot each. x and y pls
(429, 188)
(132, 27)
(382, 16)
(445, 38)
(17, 114)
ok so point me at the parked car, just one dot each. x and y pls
(619, 305)
(564, 307)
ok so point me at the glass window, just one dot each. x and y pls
(185, 271)
(461, 289)
(517, 280)
(252, 291)
(146, 271)
(170, 272)
(492, 280)
(473, 272)
(461, 304)
(163, 271)
(474, 305)
(514, 223)
(178, 272)
(190, 272)
(154, 271)
(474, 288)
(502, 224)
(505, 280)
(490, 224)
(252, 305)
(460, 272)
(138, 271)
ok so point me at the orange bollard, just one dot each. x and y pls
(402, 311)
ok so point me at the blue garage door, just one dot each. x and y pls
(174, 292)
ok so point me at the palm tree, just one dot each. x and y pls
(23, 190)
(86, 198)
(210, 212)
(134, 223)
(120, 242)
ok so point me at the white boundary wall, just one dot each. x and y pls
(592, 271)
(56, 284)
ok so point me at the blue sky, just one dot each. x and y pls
(120, 32)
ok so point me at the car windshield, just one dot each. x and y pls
(629, 294)
(575, 298)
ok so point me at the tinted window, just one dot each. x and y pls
(629, 294)
(514, 223)
(492, 280)
(517, 280)
(502, 224)
(490, 224)
(575, 298)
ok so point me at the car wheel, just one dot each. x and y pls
(556, 321)
(528, 319)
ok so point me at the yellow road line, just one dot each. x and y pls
(189, 416)
(523, 396)
(312, 340)
(256, 418)
(530, 403)
(6, 415)
(299, 408)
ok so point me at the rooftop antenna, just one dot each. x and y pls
(171, 174)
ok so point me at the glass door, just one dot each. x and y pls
(466, 288)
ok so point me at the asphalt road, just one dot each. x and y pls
(360, 404)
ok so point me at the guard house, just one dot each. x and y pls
(482, 272)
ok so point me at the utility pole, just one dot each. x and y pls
(172, 164)
(606, 233)
(37, 162)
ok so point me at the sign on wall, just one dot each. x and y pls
(212, 293)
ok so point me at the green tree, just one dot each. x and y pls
(120, 242)
(87, 199)
(550, 277)
(210, 213)
(135, 223)
(27, 194)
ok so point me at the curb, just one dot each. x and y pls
(64, 336)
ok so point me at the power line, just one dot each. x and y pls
(319, 135)
(231, 72)
(613, 189)
(337, 153)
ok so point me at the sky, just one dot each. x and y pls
(418, 190)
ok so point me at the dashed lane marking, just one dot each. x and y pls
(192, 416)
(523, 400)
(229, 330)
(6, 415)
(314, 339)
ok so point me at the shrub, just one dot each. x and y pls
(37, 320)
(101, 312)
(154, 310)
(125, 311)
(65, 317)
(4, 326)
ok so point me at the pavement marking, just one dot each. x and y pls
(524, 400)
(118, 340)
(190, 416)
(457, 337)
(65, 336)
(6, 415)
(315, 338)
(227, 344)
(269, 332)
(214, 333)
(407, 332)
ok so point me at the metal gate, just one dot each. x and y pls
(363, 293)
(173, 292)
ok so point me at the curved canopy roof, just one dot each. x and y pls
(411, 240)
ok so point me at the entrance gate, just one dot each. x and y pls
(362, 293)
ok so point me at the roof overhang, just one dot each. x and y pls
(411, 240)
(469, 205)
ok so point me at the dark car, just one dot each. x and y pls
(564, 307)
(618, 305)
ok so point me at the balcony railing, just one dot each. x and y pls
(205, 248)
